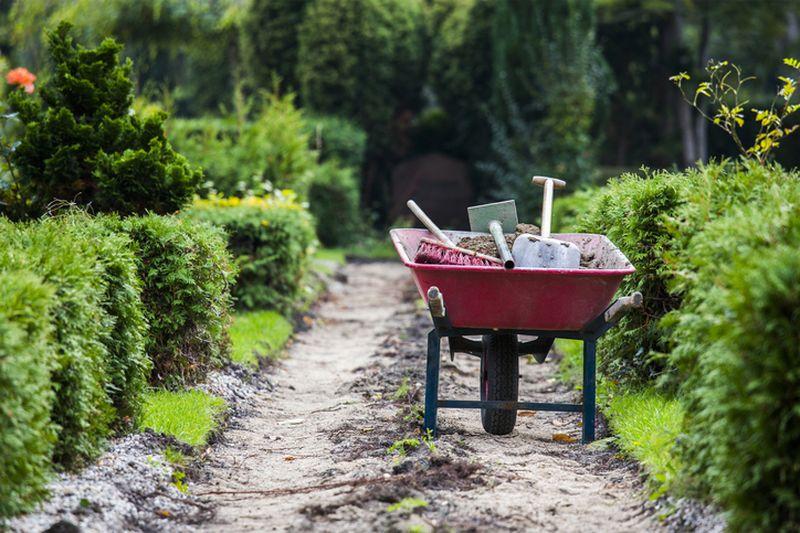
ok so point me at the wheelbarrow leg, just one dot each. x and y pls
(432, 381)
(589, 348)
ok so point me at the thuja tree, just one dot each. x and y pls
(83, 144)
(547, 76)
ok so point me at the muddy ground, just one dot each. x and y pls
(316, 453)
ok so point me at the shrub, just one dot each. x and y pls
(127, 364)
(634, 212)
(26, 360)
(186, 274)
(569, 208)
(243, 158)
(743, 388)
(334, 201)
(338, 139)
(652, 218)
(271, 239)
(56, 252)
(81, 144)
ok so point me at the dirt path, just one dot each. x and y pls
(352, 386)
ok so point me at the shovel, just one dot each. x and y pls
(541, 251)
(500, 218)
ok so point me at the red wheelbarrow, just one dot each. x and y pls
(499, 305)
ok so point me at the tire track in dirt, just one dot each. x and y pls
(352, 386)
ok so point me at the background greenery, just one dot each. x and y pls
(288, 119)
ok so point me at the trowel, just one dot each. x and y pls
(498, 218)
(542, 251)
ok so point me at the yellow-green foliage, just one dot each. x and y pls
(271, 239)
(258, 334)
(189, 416)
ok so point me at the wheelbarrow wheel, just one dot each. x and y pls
(499, 381)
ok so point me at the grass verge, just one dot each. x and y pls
(258, 334)
(190, 416)
(645, 423)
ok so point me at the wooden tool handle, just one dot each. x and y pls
(428, 223)
(557, 183)
(547, 204)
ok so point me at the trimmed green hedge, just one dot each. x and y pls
(85, 304)
(56, 252)
(271, 239)
(26, 358)
(718, 256)
(186, 274)
(737, 344)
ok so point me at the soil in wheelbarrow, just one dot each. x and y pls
(336, 446)
(485, 244)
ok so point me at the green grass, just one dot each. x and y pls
(570, 368)
(331, 255)
(372, 249)
(646, 425)
(190, 416)
(257, 334)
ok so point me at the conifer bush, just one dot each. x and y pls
(739, 329)
(82, 410)
(186, 275)
(127, 365)
(82, 144)
(26, 397)
(271, 239)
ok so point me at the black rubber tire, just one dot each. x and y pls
(499, 381)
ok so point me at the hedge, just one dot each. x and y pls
(271, 239)
(716, 250)
(186, 274)
(337, 139)
(652, 216)
(736, 339)
(26, 358)
(56, 252)
(81, 299)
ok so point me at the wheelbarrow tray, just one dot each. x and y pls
(520, 299)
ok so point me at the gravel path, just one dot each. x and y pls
(314, 454)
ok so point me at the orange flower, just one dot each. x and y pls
(22, 77)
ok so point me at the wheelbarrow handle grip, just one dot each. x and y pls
(436, 302)
(618, 309)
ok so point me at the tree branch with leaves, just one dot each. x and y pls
(723, 91)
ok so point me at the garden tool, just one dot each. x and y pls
(542, 251)
(444, 251)
(500, 218)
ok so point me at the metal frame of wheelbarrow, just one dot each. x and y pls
(539, 348)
